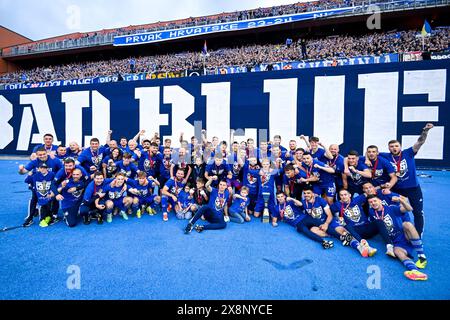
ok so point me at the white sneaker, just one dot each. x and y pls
(165, 216)
(390, 250)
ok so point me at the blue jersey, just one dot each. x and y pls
(391, 216)
(54, 165)
(150, 164)
(319, 155)
(295, 180)
(125, 149)
(239, 205)
(144, 191)
(316, 209)
(267, 181)
(405, 168)
(289, 213)
(337, 163)
(72, 154)
(235, 169)
(250, 178)
(217, 202)
(355, 179)
(115, 193)
(72, 198)
(312, 171)
(386, 199)
(111, 168)
(352, 214)
(381, 169)
(129, 170)
(219, 171)
(164, 168)
(185, 199)
(89, 158)
(52, 148)
(44, 186)
(174, 186)
(92, 190)
(62, 174)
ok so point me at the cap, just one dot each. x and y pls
(43, 165)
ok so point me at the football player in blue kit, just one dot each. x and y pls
(70, 193)
(66, 172)
(250, 176)
(45, 189)
(292, 181)
(53, 165)
(356, 173)
(94, 198)
(170, 191)
(405, 167)
(91, 158)
(404, 245)
(109, 163)
(218, 168)
(141, 190)
(319, 175)
(126, 167)
(383, 173)
(337, 163)
(48, 146)
(150, 161)
(117, 198)
(266, 188)
(214, 212)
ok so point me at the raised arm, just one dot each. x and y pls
(422, 138)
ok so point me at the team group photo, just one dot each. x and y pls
(291, 151)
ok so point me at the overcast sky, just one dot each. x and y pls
(47, 18)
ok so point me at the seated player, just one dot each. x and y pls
(214, 212)
(404, 245)
(186, 204)
(238, 210)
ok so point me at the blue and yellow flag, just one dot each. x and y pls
(426, 29)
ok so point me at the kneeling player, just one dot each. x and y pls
(117, 199)
(142, 190)
(403, 245)
(70, 195)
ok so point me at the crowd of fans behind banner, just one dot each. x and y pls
(339, 46)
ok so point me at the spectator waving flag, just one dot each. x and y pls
(426, 29)
(205, 49)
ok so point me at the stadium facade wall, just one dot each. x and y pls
(354, 106)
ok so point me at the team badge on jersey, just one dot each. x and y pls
(43, 187)
(353, 213)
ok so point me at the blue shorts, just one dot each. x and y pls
(328, 189)
(406, 217)
(259, 206)
(147, 200)
(401, 242)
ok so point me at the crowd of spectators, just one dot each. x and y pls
(338, 46)
(107, 35)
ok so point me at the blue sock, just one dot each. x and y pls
(354, 244)
(409, 264)
(134, 208)
(418, 246)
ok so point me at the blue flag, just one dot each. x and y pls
(426, 29)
